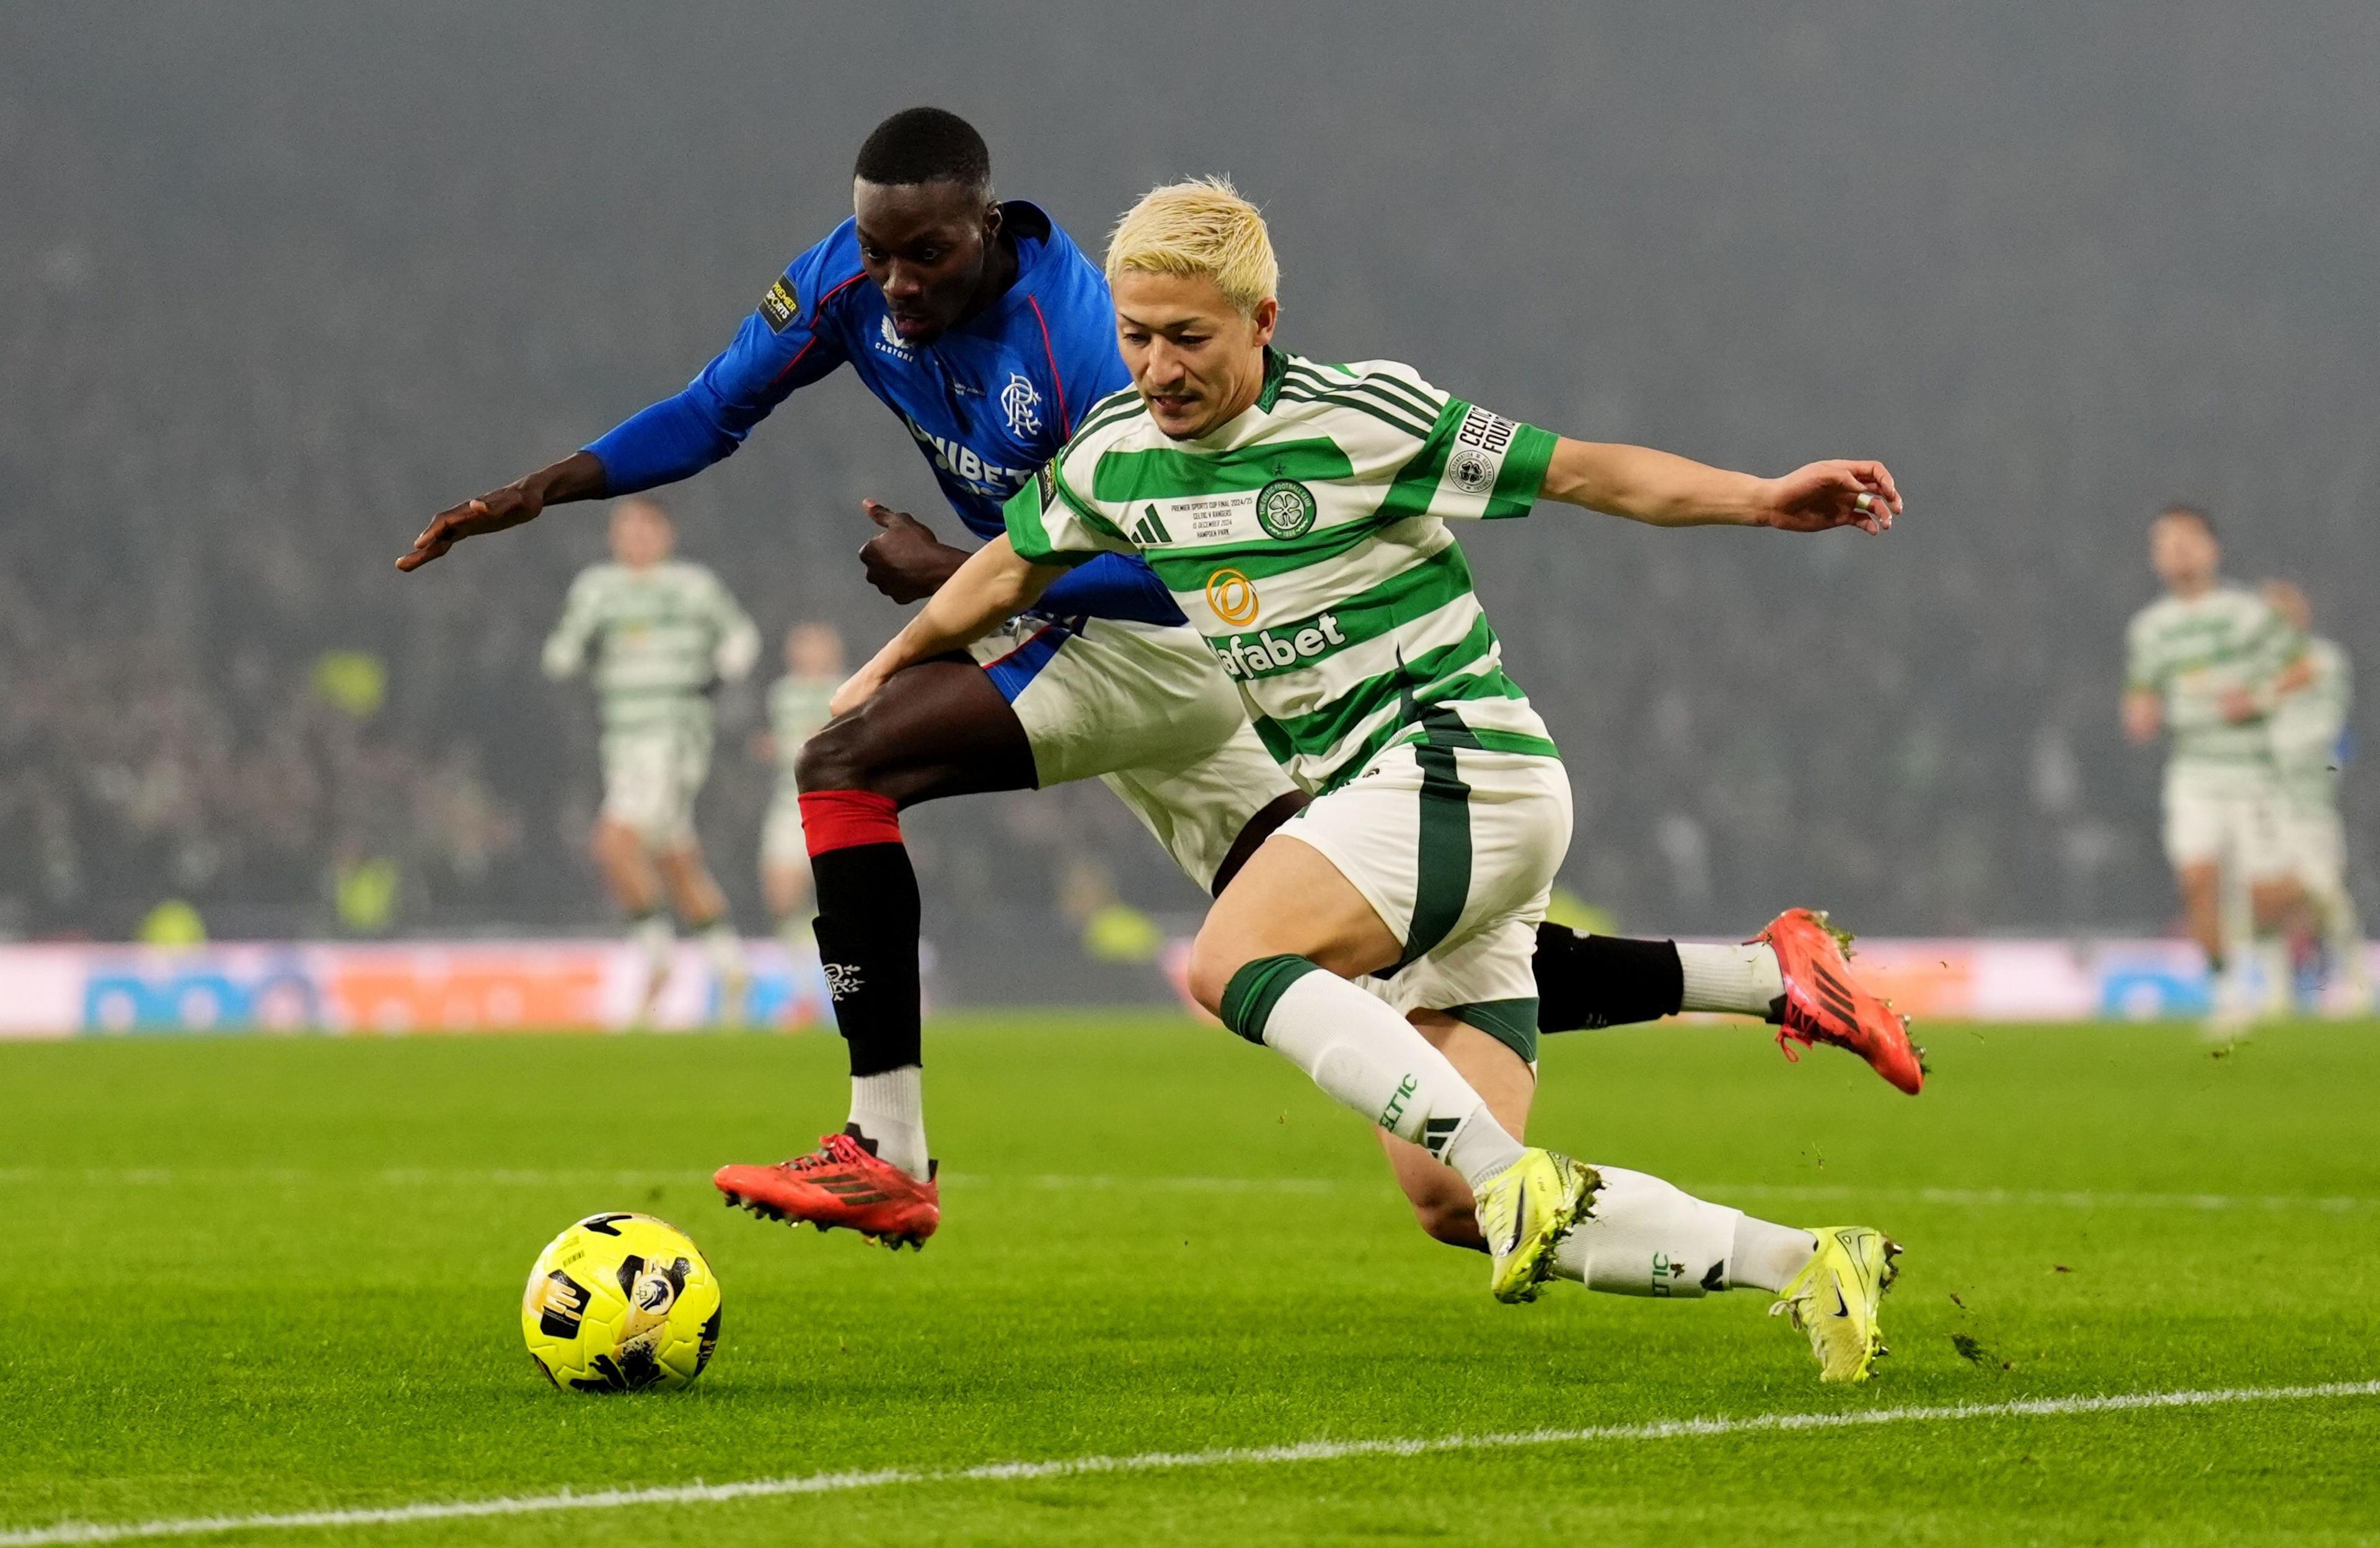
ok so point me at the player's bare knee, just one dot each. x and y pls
(837, 756)
(1213, 959)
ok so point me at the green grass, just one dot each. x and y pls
(270, 1274)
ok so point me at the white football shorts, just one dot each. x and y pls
(1455, 848)
(651, 775)
(1145, 707)
(2223, 816)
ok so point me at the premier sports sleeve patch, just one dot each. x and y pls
(781, 304)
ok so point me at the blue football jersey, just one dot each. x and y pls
(988, 403)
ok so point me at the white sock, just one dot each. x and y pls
(2343, 939)
(1647, 1238)
(2276, 979)
(1742, 978)
(890, 1109)
(653, 936)
(723, 947)
(1368, 1058)
(1766, 1256)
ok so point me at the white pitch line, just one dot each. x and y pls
(525, 1177)
(1156, 1461)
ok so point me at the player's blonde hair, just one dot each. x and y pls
(1202, 227)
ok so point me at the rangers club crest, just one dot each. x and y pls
(1021, 402)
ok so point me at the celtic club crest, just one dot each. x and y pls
(1286, 508)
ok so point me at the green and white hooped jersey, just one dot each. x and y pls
(1306, 541)
(2310, 726)
(2193, 652)
(662, 637)
(797, 705)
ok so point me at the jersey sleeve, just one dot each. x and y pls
(1452, 457)
(782, 346)
(1049, 524)
(566, 648)
(739, 644)
(1486, 466)
(2142, 673)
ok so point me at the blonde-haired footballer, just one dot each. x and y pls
(1297, 512)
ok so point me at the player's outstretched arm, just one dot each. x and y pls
(576, 476)
(1663, 490)
(995, 583)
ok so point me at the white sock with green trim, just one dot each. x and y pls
(1741, 978)
(1649, 1238)
(1368, 1058)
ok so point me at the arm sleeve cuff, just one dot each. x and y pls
(1524, 473)
(669, 440)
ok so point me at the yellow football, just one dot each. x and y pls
(620, 1303)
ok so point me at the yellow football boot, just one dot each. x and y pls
(1834, 1298)
(1523, 1211)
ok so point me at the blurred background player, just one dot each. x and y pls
(797, 704)
(2309, 730)
(2207, 663)
(666, 633)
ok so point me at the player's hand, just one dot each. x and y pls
(2143, 715)
(1825, 495)
(493, 511)
(2237, 706)
(856, 689)
(905, 560)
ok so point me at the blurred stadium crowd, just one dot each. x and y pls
(273, 300)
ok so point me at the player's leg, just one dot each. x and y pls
(1645, 1237)
(1212, 812)
(2198, 840)
(1795, 973)
(634, 811)
(938, 729)
(701, 906)
(786, 869)
(2317, 846)
(1273, 962)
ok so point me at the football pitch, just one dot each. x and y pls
(1176, 1300)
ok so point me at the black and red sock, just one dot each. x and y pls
(868, 923)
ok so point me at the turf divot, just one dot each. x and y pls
(1075, 1466)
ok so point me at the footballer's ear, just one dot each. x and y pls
(992, 219)
(1265, 319)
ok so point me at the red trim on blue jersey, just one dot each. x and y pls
(1065, 420)
(812, 341)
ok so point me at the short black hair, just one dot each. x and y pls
(2178, 509)
(925, 145)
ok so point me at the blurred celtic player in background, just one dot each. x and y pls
(2208, 663)
(665, 633)
(798, 701)
(1382, 938)
(2309, 749)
